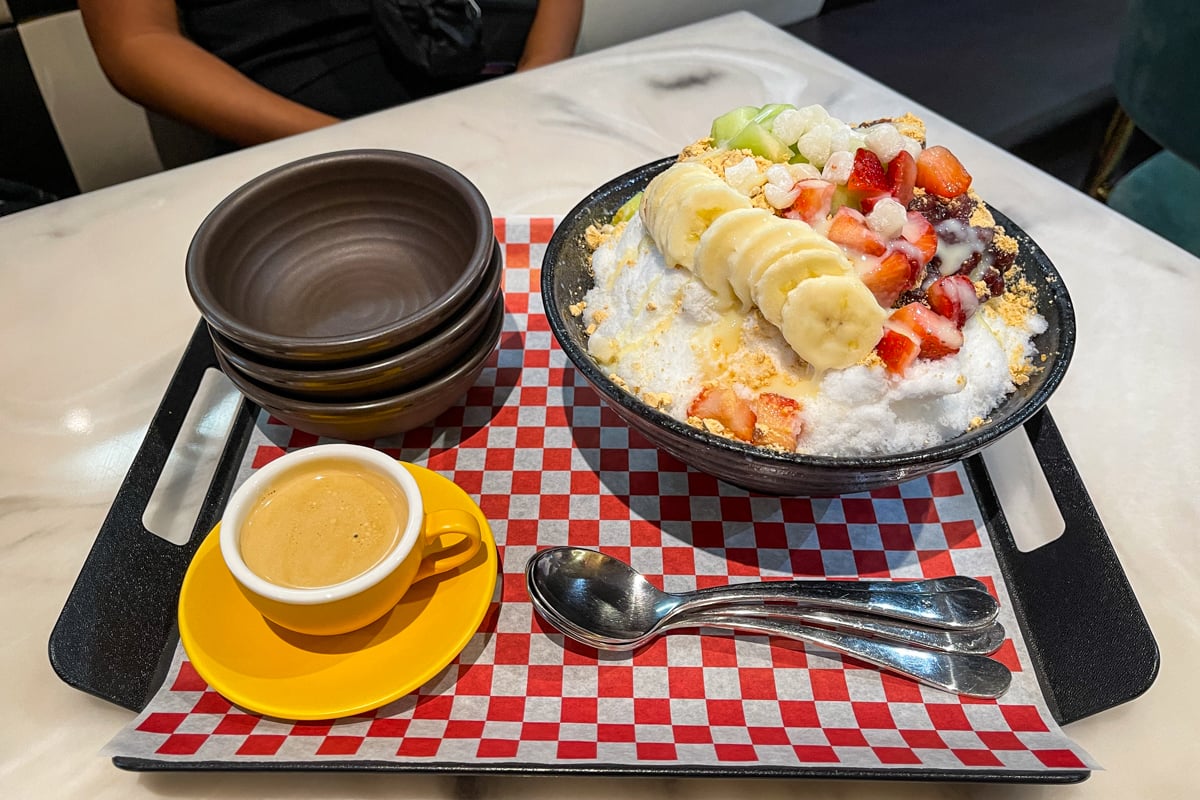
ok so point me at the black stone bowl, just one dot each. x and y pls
(567, 276)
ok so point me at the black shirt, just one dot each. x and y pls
(321, 53)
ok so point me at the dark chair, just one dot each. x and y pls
(16, 196)
(1012, 72)
(1157, 84)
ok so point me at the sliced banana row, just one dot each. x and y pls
(679, 205)
(800, 281)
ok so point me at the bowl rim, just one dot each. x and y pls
(954, 449)
(322, 348)
(337, 410)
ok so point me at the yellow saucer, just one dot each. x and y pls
(279, 673)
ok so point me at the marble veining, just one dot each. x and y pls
(94, 314)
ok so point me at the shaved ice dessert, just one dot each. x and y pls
(798, 283)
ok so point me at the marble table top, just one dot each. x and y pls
(94, 315)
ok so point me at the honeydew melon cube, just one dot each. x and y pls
(729, 124)
(767, 114)
(628, 209)
(761, 142)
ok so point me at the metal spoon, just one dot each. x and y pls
(979, 641)
(608, 598)
(959, 673)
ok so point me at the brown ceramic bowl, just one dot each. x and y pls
(385, 416)
(385, 376)
(339, 257)
(567, 276)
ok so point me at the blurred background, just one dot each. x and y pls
(1035, 77)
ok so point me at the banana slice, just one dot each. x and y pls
(770, 240)
(662, 181)
(653, 207)
(786, 272)
(832, 321)
(690, 209)
(654, 190)
(664, 192)
(717, 245)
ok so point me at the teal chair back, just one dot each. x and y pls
(1157, 76)
(1157, 83)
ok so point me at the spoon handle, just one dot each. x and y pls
(955, 610)
(949, 583)
(980, 641)
(961, 673)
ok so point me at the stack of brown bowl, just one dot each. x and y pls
(354, 294)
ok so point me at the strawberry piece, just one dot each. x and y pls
(919, 232)
(813, 202)
(953, 297)
(849, 228)
(723, 405)
(867, 174)
(940, 172)
(898, 350)
(938, 336)
(890, 277)
(779, 421)
(902, 176)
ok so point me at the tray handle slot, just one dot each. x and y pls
(1090, 642)
(113, 635)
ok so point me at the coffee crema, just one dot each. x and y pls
(322, 524)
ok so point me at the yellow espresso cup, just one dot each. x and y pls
(328, 539)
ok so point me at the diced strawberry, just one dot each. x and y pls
(889, 278)
(898, 350)
(779, 421)
(920, 233)
(867, 174)
(938, 336)
(813, 201)
(902, 176)
(941, 173)
(724, 406)
(954, 298)
(849, 228)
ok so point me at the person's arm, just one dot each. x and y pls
(553, 34)
(147, 58)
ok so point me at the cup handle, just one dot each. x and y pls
(465, 540)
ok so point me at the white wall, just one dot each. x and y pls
(106, 138)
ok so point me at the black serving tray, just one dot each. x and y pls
(116, 634)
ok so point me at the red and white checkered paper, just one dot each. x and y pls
(551, 465)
